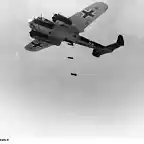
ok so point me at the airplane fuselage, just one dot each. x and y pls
(47, 33)
(57, 32)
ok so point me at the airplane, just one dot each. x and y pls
(60, 29)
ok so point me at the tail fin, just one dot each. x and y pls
(119, 43)
(120, 40)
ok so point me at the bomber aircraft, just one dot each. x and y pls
(60, 29)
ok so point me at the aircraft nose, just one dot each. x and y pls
(31, 24)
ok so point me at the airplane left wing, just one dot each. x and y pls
(37, 45)
(85, 17)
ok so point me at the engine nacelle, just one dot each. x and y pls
(95, 53)
(62, 19)
(35, 34)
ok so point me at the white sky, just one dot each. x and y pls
(38, 97)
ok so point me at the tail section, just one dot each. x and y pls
(117, 44)
(120, 40)
(108, 49)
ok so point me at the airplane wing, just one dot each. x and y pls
(37, 45)
(85, 17)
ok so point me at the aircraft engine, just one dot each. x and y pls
(35, 34)
(62, 19)
(95, 53)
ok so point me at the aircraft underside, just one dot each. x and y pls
(98, 49)
(43, 37)
(47, 33)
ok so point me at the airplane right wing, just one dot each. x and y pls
(85, 17)
(37, 45)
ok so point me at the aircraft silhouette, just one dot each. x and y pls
(47, 33)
